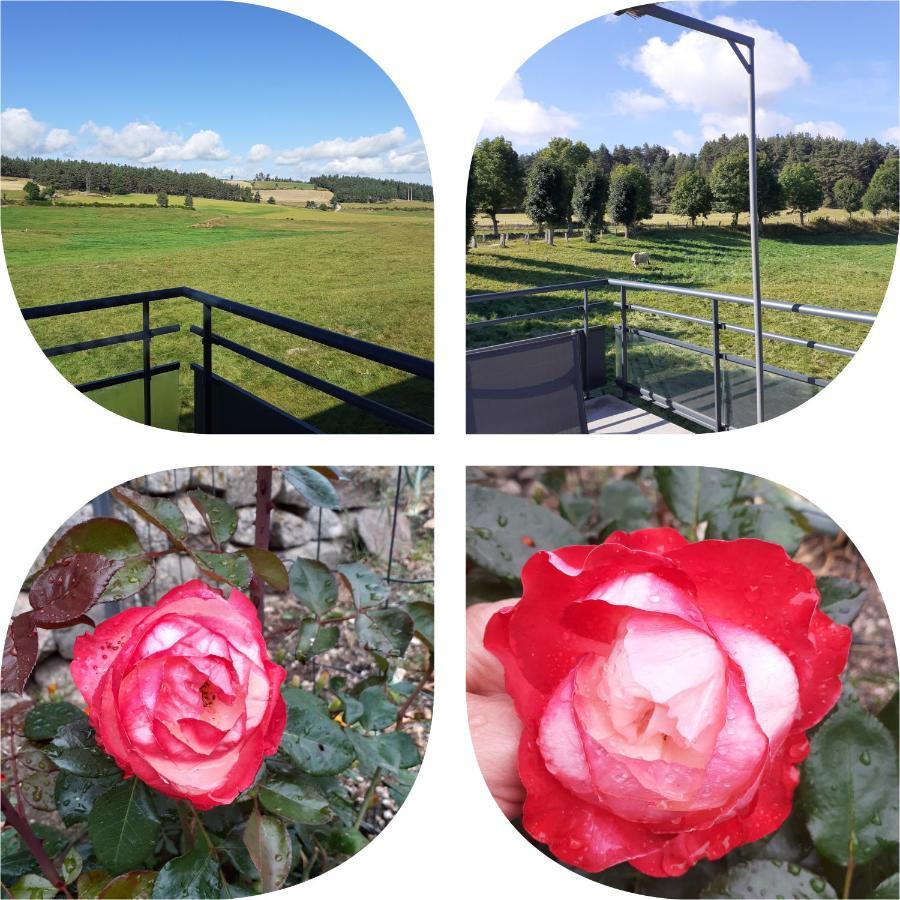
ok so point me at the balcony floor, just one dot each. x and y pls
(611, 415)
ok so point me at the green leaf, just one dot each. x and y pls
(577, 509)
(124, 827)
(17, 858)
(342, 841)
(316, 488)
(133, 885)
(789, 843)
(842, 599)
(623, 507)
(694, 493)
(889, 889)
(267, 566)
(315, 639)
(768, 878)
(134, 575)
(159, 511)
(313, 585)
(315, 744)
(33, 886)
(378, 711)
(74, 795)
(353, 709)
(422, 614)
(294, 799)
(269, 847)
(64, 592)
(196, 874)
(889, 715)
(37, 789)
(91, 883)
(221, 517)
(70, 866)
(233, 568)
(107, 537)
(75, 750)
(391, 752)
(386, 631)
(368, 588)
(45, 719)
(766, 523)
(849, 786)
(502, 532)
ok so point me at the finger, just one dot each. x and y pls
(495, 730)
(484, 673)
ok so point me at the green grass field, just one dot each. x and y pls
(846, 269)
(366, 274)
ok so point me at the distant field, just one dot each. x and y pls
(845, 269)
(296, 197)
(273, 185)
(716, 218)
(363, 273)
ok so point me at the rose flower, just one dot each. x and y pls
(664, 690)
(183, 694)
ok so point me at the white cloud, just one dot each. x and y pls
(204, 144)
(700, 72)
(891, 135)
(687, 142)
(637, 103)
(825, 128)
(59, 139)
(258, 152)
(23, 134)
(768, 122)
(146, 142)
(525, 121)
(342, 149)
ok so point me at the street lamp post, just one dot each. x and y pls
(736, 40)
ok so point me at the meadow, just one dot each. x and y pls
(847, 268)
(364, 273)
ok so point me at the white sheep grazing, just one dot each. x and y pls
(638, 258)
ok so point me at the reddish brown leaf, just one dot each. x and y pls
(19, 652)
(70, 587)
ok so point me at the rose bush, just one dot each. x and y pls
(183, 694)
(665, 688)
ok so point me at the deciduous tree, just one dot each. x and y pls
(629, 196)
(801, 188)
(545, 202)
(497, 181)
(589, 198)
(847, 194)
(691, 197)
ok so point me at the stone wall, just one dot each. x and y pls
(360, 527)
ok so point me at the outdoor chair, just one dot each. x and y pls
(533, 386)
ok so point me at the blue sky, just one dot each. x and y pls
(226, 88)
(825, 67)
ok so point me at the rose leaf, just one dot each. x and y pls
(124, 827)
(269, 846)
(313, 584)
(196, 874)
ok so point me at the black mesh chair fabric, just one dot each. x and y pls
(527, 387)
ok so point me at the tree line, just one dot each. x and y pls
(365, 189)
(567, 181)
(115, 178)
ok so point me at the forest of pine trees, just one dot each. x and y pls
(363, 189)
(113, 178)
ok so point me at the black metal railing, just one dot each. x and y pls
(395, 359)
(627, 334)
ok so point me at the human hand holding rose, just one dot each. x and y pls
(664, 690)
(183, 694)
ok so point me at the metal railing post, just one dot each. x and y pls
(754, 247)
(717, 365)
(207, 370)
(586, 361)
(148, 400)
(623, 319)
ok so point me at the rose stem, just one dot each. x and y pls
(263, 531)
(33, 842)
(848, 875)
(409, 700)
(376, 775)
(307, 869)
